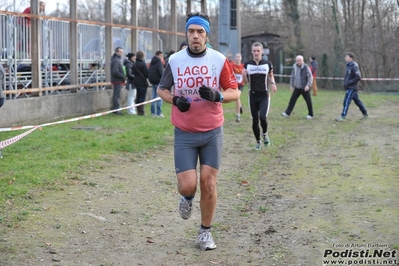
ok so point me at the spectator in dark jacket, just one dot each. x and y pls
(154, 76)
(117, 78)
(183, 45)
(2, 75)
(131, 96)
(351, 82)
(140, 71)
(2, 97)
(300, 82)
(168, 55)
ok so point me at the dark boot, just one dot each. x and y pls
(140, 110)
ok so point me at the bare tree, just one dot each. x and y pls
(323, 28)
(292, 13)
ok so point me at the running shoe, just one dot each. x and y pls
(340, 119)
(309, 117)
(364, 117)
(285, 114)
(266, 139)
(258, 146)
(238, 118)
(205, 239)
(185, 208)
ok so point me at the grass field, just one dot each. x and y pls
(320, 182)
(46, 157)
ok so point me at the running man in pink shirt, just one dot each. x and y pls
(202, 79)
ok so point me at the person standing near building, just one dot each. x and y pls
(202, 79)
(259, 73)
(168, 55)
(2, 75)
(131, 95)
(313, 68)
(183, 45)
(2, 97)
(25, 28)
(351, 83)
(42, 9)
(154, 76)
(238, 67)
(300, 82)
(117, 78)
(140, 71)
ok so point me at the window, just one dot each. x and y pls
(233, 14)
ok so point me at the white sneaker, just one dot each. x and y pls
(364, 117)
(185, 208)
(309, 117)
(266, 139)
(205, 239)
(284, 114)
(132, 112)
(258, 146)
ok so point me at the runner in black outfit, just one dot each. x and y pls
(258, 73)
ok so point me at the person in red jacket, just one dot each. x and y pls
(42, 8)
(313, 68)
(238, 66)
(25, 27)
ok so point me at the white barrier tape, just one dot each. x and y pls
(8, 142)
(287, 76)
(77, 118)
(336, 78)
(12, 140)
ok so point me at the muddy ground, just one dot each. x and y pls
(332, 184)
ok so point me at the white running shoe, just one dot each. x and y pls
(205, 239)
(266, 139)
(258, 146)
(185, 208)
(364, 117)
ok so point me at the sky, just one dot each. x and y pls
(51, 5)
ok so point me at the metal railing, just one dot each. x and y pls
(15, 47)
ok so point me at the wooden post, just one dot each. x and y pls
(73, 44)
(134, 22)
(34, 44)
(108, 40)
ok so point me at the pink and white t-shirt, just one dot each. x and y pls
(187, 73)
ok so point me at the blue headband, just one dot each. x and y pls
(197, 20)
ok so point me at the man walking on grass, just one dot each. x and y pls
(351, 83)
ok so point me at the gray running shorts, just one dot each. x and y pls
(189, 146)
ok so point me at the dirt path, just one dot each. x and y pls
(330, 184)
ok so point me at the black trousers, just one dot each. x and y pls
(259, 102)
(115, 96)
(294, 97)
(141, 95)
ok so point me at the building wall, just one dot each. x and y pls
(229, 37)
(39, 110)
(272, 42)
